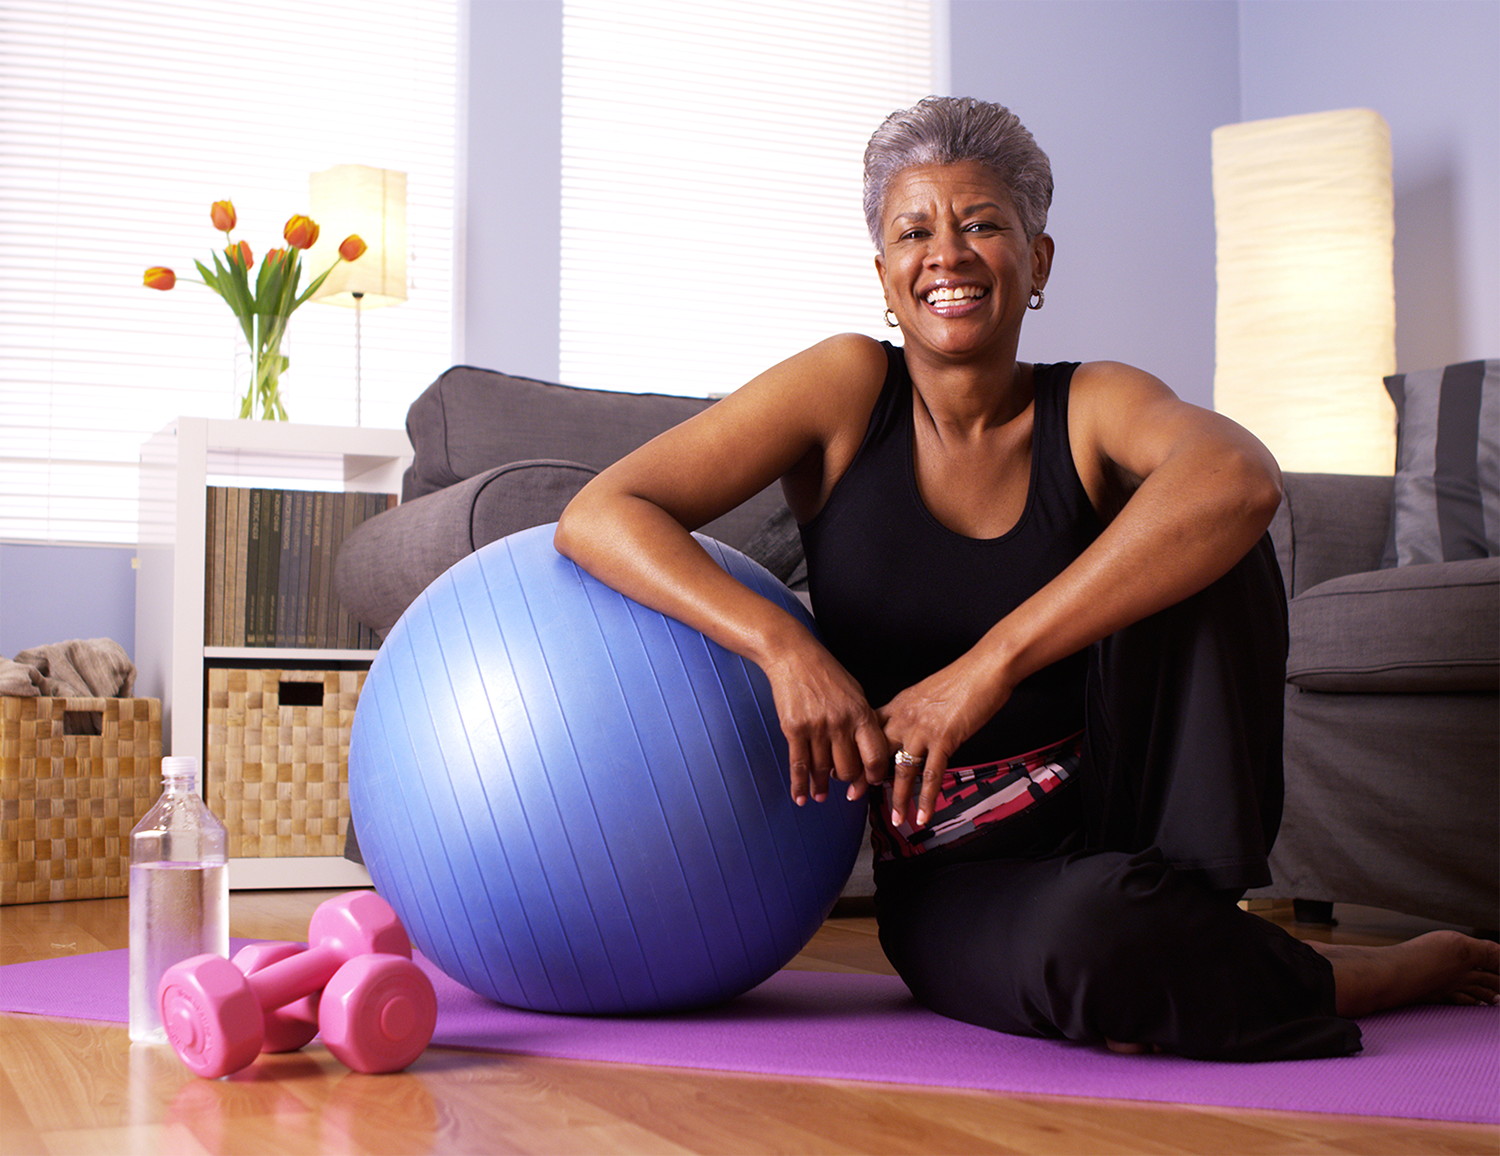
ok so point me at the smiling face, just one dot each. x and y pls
(957, 268)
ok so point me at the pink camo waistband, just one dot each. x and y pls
(972, 798)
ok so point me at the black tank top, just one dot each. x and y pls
(898, 595)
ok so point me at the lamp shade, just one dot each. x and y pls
(1305, 330)
(371, 202)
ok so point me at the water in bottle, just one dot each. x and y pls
(179, 891)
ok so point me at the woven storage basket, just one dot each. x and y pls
(278, 774)
(68, 801)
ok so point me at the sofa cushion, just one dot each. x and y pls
(1447, 496)
(1330, 525)
(777, 546)
(1420, 628)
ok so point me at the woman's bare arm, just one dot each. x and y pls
(630, 528)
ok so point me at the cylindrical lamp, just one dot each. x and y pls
(1306, 318)
(371, 202)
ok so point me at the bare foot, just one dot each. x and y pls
(1131, 1049)
(1439, 967)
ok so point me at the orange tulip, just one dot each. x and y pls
(158, 277)
(353, 247)
(274, 255)
(222, 214)
(240, 254)
(301, 232)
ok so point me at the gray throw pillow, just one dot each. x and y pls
(1446, 504)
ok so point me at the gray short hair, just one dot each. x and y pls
(944, 130)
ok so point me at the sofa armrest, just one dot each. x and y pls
(390, 559)
(1330, 525)
(472, 420)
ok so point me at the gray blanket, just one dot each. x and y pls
(82, 668)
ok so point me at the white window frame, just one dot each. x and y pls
(712, 150)
(121, 121)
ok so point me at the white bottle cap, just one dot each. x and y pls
(180, 768)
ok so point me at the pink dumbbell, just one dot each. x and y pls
(379, 1018)
(293, 1025)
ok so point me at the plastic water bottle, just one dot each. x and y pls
(179, 891)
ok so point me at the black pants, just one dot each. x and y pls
(1108, 910)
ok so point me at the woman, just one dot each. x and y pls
(1053, 637)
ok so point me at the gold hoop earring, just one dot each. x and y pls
(1037, 299)
(890, 318)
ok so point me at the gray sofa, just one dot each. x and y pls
(1392, 714)
(1393, 688)
(494, 454)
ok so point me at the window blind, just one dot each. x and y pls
(711, 166)
(121, 121)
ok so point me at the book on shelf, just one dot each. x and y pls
(268, 567)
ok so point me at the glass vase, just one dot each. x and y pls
(258, 371)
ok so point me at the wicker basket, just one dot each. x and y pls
(278, 773)
(68, 800)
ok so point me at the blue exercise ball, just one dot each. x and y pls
(577, 804)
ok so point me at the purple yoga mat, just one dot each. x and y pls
(1436, 1063)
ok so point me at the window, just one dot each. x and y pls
(711, 180)
(121, 121)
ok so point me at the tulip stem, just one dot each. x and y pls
(358, 298)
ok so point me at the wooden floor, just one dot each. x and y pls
(71, 1087)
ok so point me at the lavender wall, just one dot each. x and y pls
(1123, 97)
(57, 593)
(512, 265)
(1111, 89)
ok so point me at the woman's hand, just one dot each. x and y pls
(831, 730)
(931, 720)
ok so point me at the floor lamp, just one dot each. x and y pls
(1305, 329)
(371, 202)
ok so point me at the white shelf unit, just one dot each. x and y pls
(178, 464)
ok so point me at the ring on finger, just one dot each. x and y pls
(905, 758)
